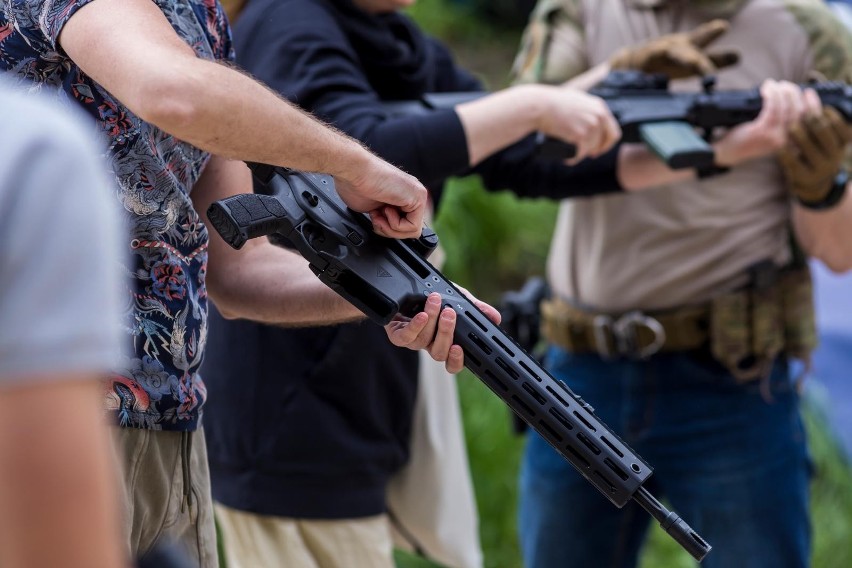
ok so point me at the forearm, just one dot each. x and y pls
(59, 501)
(269, 130)
(827, 235)
(519, 169)
(210, 105)
(276, 286)
(639, 168)
(519, 111)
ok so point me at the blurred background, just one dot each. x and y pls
(474, 226)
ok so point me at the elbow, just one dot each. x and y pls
(835, 257)
(223, 303)
(837, 263)
(170, 103)
(223, 298)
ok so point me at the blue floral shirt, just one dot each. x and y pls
(157, 386)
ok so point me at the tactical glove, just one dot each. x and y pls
(814, 153)
(679, 55)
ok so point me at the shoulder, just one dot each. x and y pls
(555, 27)
(829, 40)
(549, 9)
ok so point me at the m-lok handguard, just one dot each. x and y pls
(386, 277)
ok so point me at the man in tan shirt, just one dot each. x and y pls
(695, 376)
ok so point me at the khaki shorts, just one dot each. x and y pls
(259, 541)
(167, 497)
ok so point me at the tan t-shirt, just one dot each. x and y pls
(684, 243)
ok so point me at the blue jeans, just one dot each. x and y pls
(731, 460)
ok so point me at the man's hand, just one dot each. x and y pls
(783, 104)
(577, 117)
(679, 55)
(815, 150)
(432, 329)
(395, 200)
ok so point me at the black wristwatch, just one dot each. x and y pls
(833, 197)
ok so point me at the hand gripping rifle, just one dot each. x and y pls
(649, 112)
(385, 277)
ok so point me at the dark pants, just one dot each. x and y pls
(731, 459)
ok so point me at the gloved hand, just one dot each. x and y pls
(814, 154)
(679, 55)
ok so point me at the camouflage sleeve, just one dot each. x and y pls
(553, 48)
(829, 56)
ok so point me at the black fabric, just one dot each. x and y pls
(397, 59)
(311, 423)
(306, 423)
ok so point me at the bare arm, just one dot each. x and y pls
(827, 235)
(493, 122)
(218, 109)
(58, 492)
(810, 160)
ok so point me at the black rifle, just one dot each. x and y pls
(521, 320)
(649, 112)
(385, 277)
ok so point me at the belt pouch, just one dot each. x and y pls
(800, 335)
(730, 332)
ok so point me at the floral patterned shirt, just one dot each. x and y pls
(157, 386)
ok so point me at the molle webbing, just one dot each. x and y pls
(744, 329)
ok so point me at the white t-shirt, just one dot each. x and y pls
(60, 280)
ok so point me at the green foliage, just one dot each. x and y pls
(495, 452)
(831, 494)
(454, 22)
(493, 240)
(403, 559)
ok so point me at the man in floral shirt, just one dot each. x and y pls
(149, 75)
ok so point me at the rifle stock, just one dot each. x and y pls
(386, 277)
